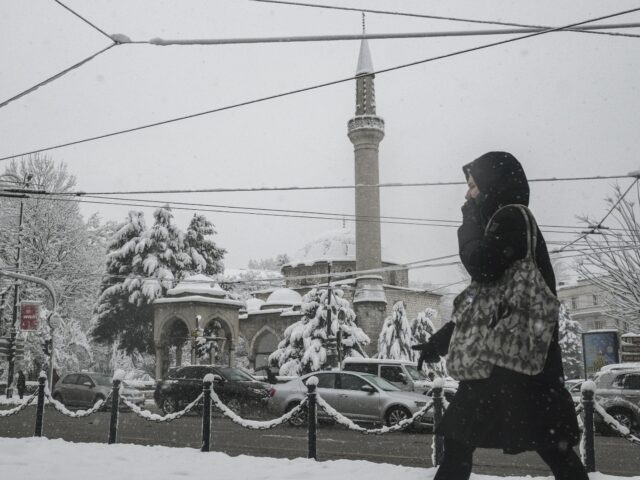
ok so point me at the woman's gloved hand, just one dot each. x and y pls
(428, 353)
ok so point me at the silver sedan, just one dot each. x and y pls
(361, 397)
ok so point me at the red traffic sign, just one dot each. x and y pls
(29, 314)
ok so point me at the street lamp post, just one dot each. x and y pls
(16, 289)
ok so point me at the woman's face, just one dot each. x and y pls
(473, 189)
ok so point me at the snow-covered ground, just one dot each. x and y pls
(40, 458)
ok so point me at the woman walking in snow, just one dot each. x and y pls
(508, 410)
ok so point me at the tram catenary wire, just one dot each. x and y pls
(322, 85)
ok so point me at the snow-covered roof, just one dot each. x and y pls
(198, 285)
(200, 299)
(254, 304)
(283, 296)
(631, 335)
(331, 246)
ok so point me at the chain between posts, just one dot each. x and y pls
(342, 420)
(154, 417)
(254, 424)
(77, 414)
(21, 406)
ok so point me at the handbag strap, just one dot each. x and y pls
(531, 225)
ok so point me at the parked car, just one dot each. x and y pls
(401, 373)
(618, 391)
(238, 390)
(84, 389)
(362, 397)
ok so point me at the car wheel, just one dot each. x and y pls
(623, 417)
(298, 420)
(234, 405)
(395, 415)
(169, 405)
(57, 396)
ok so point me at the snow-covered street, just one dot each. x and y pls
(40, 458)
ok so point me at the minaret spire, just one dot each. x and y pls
(366, 131)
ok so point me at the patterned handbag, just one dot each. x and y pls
(507, 323)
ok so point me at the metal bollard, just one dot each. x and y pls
(207, 383)
(588, 392)
(40, 408)
(312, 417)
(438, 412)
(115, 402)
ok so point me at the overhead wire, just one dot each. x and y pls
(320, 85)
(164, 42)
(285, 213)
(599, 224)
(318, 187)
(402, 14)
(72, 67)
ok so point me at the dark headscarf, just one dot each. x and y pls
(500, 179)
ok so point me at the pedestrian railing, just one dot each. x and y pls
(585, 411)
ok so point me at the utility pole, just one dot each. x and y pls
(16, 294)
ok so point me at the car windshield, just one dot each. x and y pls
(235, 374)
(102, 380)
(381, 383)
(415, 373)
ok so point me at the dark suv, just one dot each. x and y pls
(237, 389)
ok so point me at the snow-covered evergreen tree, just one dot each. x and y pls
(206, 256)
(422, 326)
(119, 317)
(421, 329)
(150, 260)
(303, 348)
(570, 339)
(395, 338)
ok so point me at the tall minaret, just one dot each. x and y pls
(366, 131)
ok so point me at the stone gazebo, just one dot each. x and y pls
(175, 321)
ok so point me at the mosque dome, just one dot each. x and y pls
(281, 298)
(254, 304)
(333, 245)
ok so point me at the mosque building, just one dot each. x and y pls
(253, 329)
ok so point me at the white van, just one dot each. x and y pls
(402, 373)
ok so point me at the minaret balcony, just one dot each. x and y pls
(366, 122)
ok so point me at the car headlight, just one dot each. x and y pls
(420, 404)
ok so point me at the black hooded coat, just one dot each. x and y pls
(509, 410)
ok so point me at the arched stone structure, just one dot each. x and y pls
(264, 343)
(196, 297)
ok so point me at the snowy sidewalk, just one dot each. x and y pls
(40, 459)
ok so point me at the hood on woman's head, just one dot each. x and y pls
(500, 177)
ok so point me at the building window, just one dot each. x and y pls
(574, 303)
(598, 324)
(595, 300)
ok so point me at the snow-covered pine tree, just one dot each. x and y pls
(422, 326)
(206, 256)
(395, 338)
(570, 339)
(303, 348)
(421, 329)
(118, 317)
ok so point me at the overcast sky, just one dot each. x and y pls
(565, 104)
